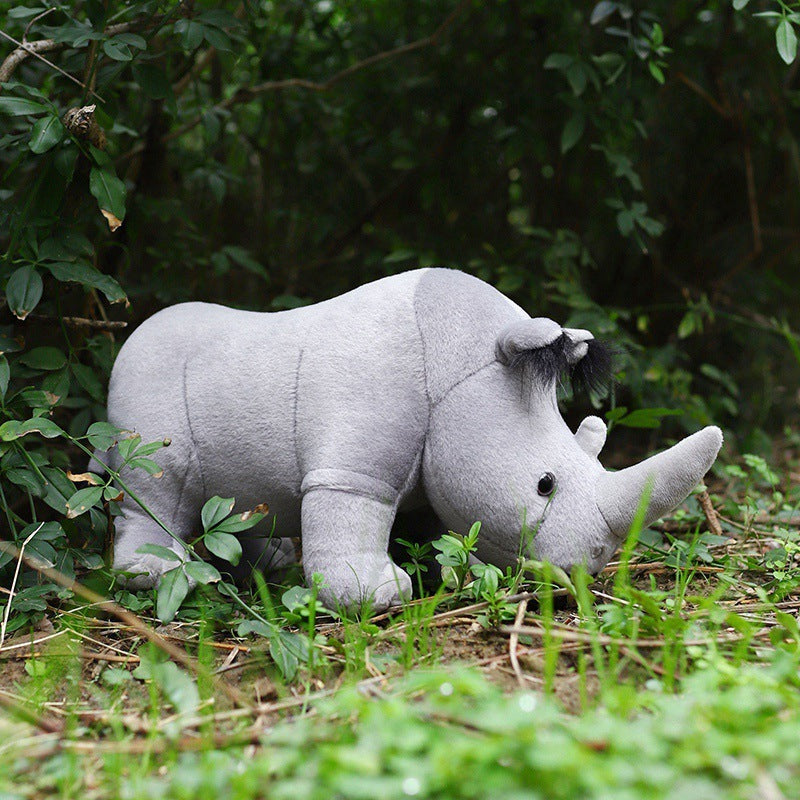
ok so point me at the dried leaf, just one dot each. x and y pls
(261, 508)
(84, 477)
(113, 222)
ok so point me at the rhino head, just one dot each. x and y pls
(499, 451)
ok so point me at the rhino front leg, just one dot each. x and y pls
(346, 538)
(133, 530)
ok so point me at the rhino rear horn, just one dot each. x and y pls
(671, 476)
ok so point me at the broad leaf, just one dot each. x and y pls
(786, 40)
(18, 106)
(202, 572)
(5, 376)
(224, 545)
(160, 551)
(44, 358)
(46, 134)
(152, 80)
(24, 290)
(109, 190)
(13, 429)
(88, 276)
(215, 510)
(104, 435)
(172, 590)
(83, 500)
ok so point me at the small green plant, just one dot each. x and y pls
(418, 554)
(454, 556)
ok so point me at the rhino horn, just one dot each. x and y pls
(671, 475)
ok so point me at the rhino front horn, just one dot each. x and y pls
(672, 475)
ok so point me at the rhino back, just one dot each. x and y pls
(267, 398)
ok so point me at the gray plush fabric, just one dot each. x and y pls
(395, 394)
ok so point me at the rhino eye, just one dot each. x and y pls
(546, 484)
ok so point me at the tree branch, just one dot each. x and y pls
(25, 49)
(248, 93)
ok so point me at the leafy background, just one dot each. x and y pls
(633, 171)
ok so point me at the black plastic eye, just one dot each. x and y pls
(546, 484)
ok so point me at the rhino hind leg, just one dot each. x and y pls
(346, 540)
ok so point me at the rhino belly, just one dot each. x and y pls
(241, 407)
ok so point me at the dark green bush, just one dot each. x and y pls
(631, 171)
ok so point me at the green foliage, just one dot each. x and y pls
(633, 171)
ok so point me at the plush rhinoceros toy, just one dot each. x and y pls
(424, 388)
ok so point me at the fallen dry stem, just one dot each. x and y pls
(176, 653)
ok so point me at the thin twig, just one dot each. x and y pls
(173, 651)
(7, 611)
(513, 642)
(585, 636)
(20, 711)
(711, 515)
(82, 322)
(24, 49)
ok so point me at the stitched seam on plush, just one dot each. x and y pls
(295, 404)
(191, 432)
(347, 480)
(420, 455)
(461, 380)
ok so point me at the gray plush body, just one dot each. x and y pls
(402, 392)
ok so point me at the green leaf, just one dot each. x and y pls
(19, 106)
(217, 38)
(224, 545)
(288, 650)
(103, 435)
(5, 376)
(83, 500)
(602, 10)
(202, 572)
(117, 50)
(109, 190)
(87, 378)
(88, 276)
(177, 686)
(13, 429)
(132, 40)
(296, 597)
(9, 345)
(24, 291)
(786, 39)
(573, 131)
(191, 33)
(172, 590)
(44, 358)
(240, 522)
(46, 133)
(215, 510)
(558, 61)
(740, 4)
(148, 465)
(159, 550)
(656, 71)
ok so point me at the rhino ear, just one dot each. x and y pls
(525, 336)
(550, 351)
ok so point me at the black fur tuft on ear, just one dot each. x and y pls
(592, 373)
(595, 371)
(546, 364)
